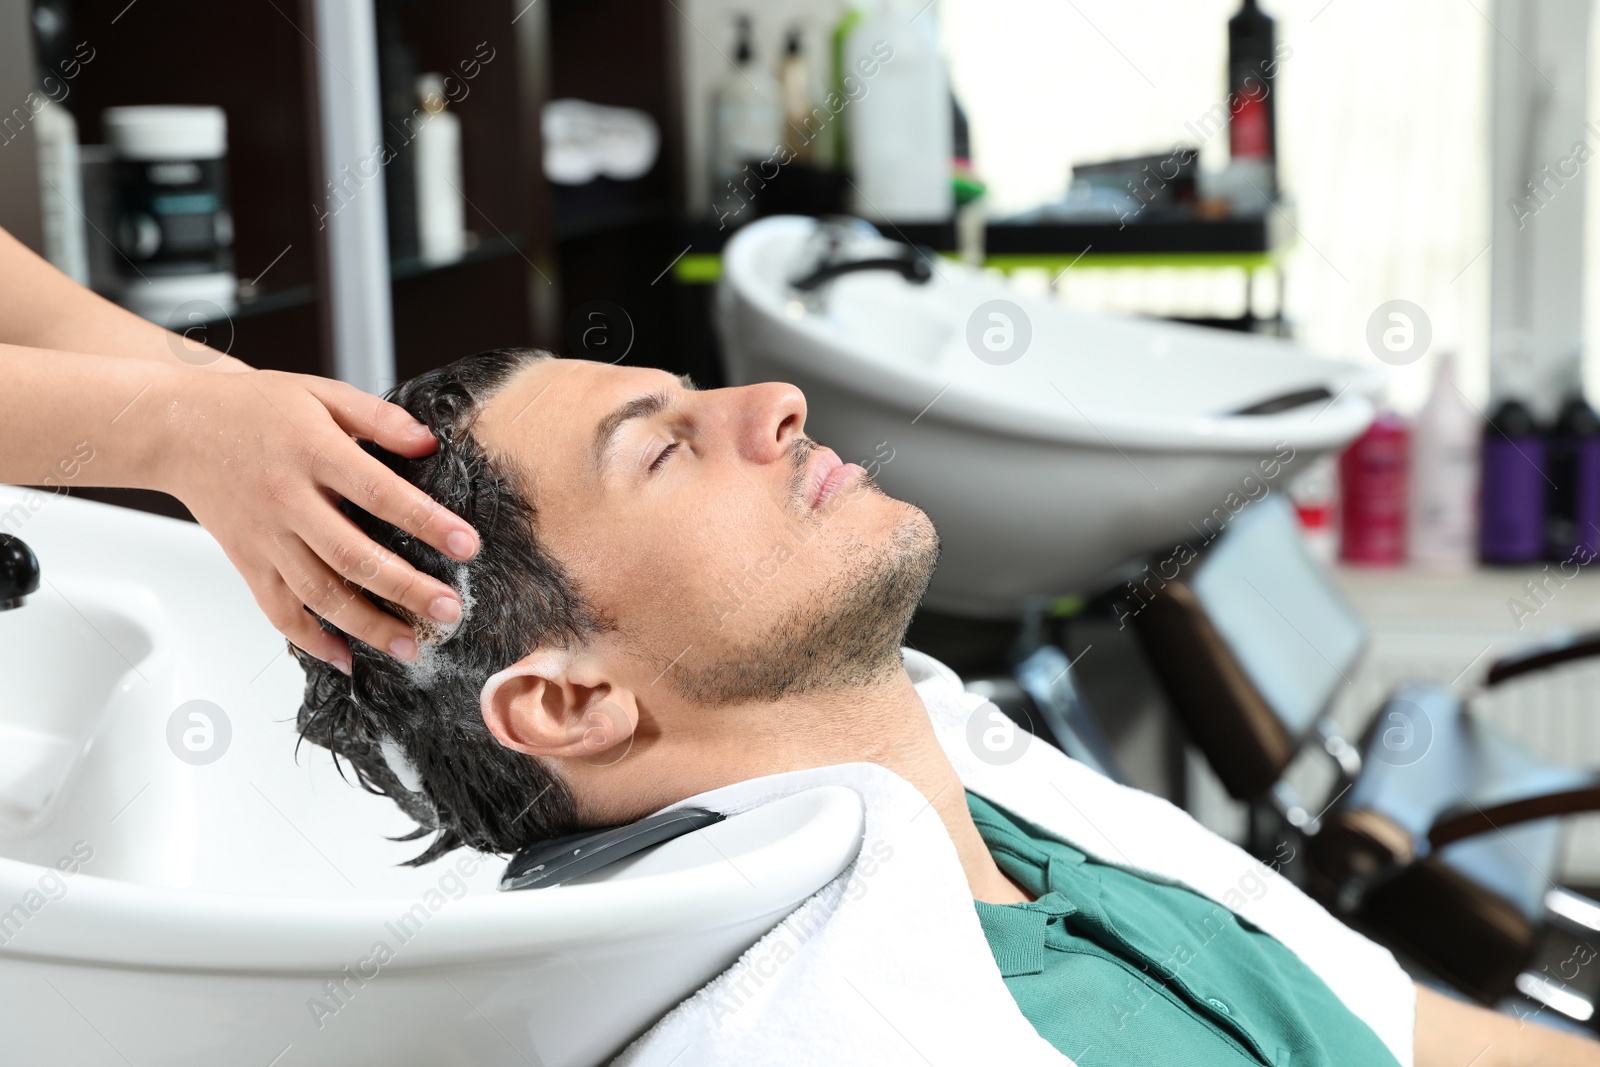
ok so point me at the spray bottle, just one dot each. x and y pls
(1444, 477)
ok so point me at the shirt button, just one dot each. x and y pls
(1219, 1005)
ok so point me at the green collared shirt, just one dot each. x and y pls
(1116, 968)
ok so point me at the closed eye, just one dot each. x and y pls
(661, 459)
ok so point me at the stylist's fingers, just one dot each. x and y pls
(382, 493)
(357, 558)
(326, 594)
(360, 414)
(289, 616)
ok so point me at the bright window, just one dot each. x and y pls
(1382, 129)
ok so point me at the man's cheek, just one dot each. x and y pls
(654, 585)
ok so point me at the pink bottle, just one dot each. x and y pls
(1373, 490)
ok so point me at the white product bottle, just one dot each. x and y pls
(1444, 477)
(61, 192)
(898, 122)
(805, 119)
(436, 153)
(746, 128)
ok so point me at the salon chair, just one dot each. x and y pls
(1439, 837)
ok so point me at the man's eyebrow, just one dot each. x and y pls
(640, 407)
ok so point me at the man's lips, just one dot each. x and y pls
(829, 474)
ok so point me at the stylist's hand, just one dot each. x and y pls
(261, 459)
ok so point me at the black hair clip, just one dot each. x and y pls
(561, 859)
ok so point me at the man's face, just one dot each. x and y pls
(734, 557)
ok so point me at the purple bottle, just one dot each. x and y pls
(1513, 493)
(1572, 518)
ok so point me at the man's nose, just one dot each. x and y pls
(768, 418)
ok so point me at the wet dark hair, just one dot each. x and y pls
(472, 790)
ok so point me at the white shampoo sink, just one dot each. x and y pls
(1105, 439)
(69, 661)
(179, 886)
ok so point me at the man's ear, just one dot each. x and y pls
(559, 705)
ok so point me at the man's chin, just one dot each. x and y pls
(917, 539)
(846, 634)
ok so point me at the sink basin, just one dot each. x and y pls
(69, 659)
(1102, 439)
(181, 884)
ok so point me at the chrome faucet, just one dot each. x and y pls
(912, 267)
(828, 256)
(19, 572)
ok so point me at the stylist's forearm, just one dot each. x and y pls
(42, 308)
(88, 420)
(1452, 1033)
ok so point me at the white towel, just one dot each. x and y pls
(888, 965)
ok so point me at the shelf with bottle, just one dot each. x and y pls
(1178, 242)
(1144, 211)
(804, 121)
(1164, 210)
(1011, 247)
(455, 124)
(253, 302)
(1174, 237)
(1453, 491)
